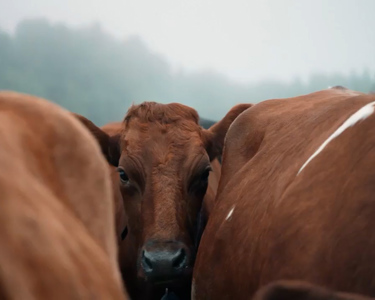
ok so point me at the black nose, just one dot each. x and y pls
(164, 262)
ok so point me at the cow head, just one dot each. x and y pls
(163, 157)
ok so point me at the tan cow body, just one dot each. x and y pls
(57, 235)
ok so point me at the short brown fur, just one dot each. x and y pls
(164, 153)
(299, 290)
(57, 234)
(315, 226)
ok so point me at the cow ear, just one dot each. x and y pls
(110, 145)
(215, 135)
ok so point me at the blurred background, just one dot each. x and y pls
(98, 57)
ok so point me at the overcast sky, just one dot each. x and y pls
(244, 39)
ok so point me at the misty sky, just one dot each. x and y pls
(244, 39)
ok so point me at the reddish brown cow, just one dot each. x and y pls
(57, 234)
(299, 290)
(163, 158)
(295, 199)
(115, 128)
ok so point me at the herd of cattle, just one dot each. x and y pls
(275, 201)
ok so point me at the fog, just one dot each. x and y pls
(207, 54)
(247, 40)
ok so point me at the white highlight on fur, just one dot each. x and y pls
(361, 114)
(230, 213)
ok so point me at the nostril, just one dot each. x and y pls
(146, 262)
(179, 259)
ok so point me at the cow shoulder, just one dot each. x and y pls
(56, 204)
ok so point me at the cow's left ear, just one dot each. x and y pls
(110, 145)
(215, 135)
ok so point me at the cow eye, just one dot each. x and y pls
(205, 174)
(123, 176)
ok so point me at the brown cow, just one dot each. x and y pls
(57, 235)
(163, 156)
(295, 198)
(299, 290)
(114, 128)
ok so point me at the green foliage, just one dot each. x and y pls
(91, 73)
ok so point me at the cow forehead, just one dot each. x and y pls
(180, 134)
(161, 144)
(162, 113)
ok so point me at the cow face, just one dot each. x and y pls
(163, 168)
(163, 158)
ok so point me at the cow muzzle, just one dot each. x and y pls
(164, 261)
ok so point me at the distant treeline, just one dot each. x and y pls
(90, 72)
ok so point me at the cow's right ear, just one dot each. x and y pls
(110, 145)
(214, 136)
